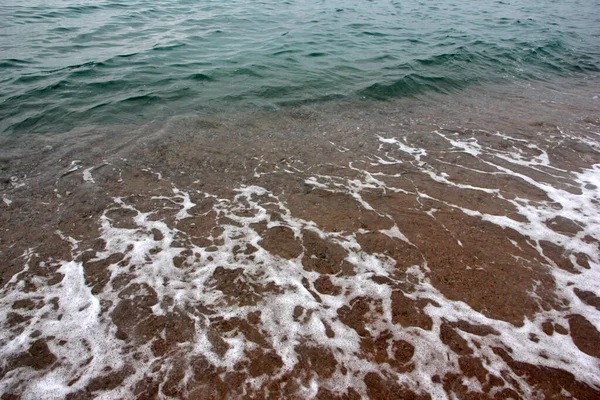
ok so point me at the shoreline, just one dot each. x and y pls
(431, 246)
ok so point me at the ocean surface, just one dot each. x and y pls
(72, 63)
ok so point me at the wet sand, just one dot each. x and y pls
(434, 247)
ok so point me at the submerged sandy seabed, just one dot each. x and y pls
(436, 247)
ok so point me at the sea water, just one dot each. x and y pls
(361, 199)
(67, 64)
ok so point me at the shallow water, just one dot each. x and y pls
(299, 200)
(68, 64)
(430, 247)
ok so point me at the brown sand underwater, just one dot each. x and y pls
(434, 247)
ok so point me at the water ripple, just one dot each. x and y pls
(58, 56)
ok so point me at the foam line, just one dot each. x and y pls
(283, 298)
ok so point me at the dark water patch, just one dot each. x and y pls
(122, 56)
(64, 29)
(443, 59)
(89, 64)
(411, 85)
(141, 99)
(15, 63)
(27, 79)
(370, 33)
(200, 77)
(316, 54)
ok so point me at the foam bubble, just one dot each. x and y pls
(221, 296)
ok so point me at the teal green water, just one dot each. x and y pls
(71, 63)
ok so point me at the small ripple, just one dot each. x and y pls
(247, 72)
(143, 99)
(290, 51)
(411, 85)
(15, 63)
(199, 77)
(71, 67)
(372, 33)
(168, 47)
(86, 53)
(317, 54)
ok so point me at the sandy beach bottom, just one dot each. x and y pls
(444, 246)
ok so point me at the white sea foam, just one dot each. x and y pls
(87, 175)
(77, 316)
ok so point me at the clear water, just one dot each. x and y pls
(173, 226)
(73, 63)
